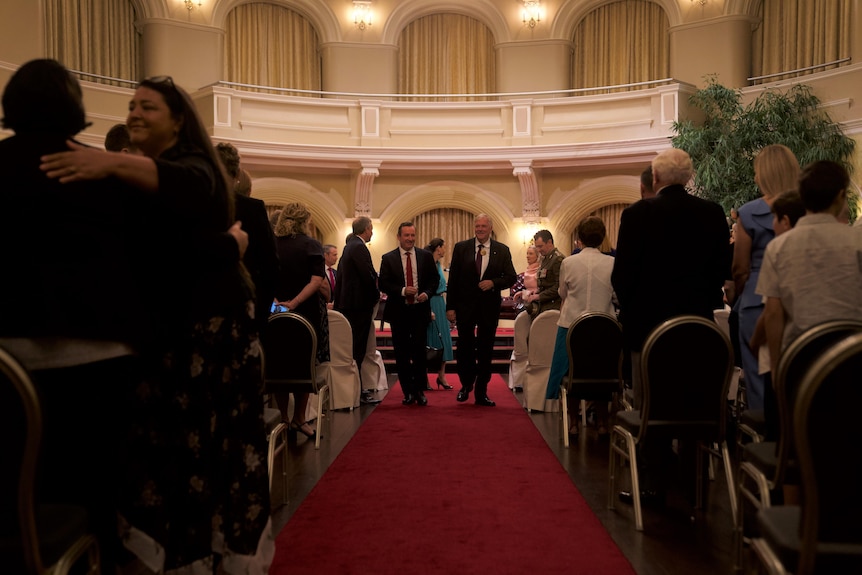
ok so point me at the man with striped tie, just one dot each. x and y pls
(330, 257)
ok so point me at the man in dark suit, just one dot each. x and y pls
(261, 257)
(409, 278)
(480, 268)
(671, 260)
(356, 290)
(330, 259)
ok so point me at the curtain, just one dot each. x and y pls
(95, 36)
(621, 43)
(269, 45)
(450, 224)
(446, 54)
(796, 34)
(610, 215)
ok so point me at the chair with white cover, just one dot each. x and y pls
(686, 366)
(340, 372)
(276, 438)
(543, 335)
(373, 370)
(518, 362)
(34, 537)
(290, 366)
(594, 344)
(824, 533)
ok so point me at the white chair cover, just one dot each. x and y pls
(373, 372)
(518, 364)
(543, 334)
(340, 371)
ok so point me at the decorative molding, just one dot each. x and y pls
(293, 127)
(364, 184)
(580, 127)
(530, 195)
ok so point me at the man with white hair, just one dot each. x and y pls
(671, 258)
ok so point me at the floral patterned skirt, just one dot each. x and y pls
(196, 480)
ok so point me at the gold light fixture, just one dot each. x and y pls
(532, 13)
(701, 2)
(362, 13)
(190, 4)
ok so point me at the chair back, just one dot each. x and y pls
(340, 339)
(522, 333)
(21, 428)
(686, 365)
(595, 348)
(290, 352)
(341, 371)
(543, 333)
(793, 364)
(830, 458)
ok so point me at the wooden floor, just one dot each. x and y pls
(676, 539)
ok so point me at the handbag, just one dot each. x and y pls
(434, 355)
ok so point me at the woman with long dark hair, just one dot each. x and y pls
(196, 482)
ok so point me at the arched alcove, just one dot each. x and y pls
(409, 10)
(327, 216)
(322, 18)
(571, 13)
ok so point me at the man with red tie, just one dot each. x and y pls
(479, 269)
(408, 277)
(330, 258)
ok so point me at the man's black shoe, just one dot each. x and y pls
(484, 401)
(649, 498)
(408, 399)
(463, 395)
(366, 400)
(421, 399)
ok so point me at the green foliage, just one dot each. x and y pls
(723, 147)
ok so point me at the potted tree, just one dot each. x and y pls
(722, 146)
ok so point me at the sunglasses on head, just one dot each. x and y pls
(161, 80)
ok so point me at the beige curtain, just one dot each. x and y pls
(450, 224)
(796, 34)
(269, 45)
(446, 54)
(94, 36)
(621, 43)
(610, 215)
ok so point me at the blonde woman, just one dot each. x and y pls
(776, 171)
(301, 277)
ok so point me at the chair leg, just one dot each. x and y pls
(636, 488)
(565, 410)
(583, 414)
(322, 393)
(728, 475)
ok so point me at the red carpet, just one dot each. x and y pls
(449, 488)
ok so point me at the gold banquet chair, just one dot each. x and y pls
(686, 366)
(764, 466)
(34, 538)
(594, 344)
(824, 533)
(290, 366)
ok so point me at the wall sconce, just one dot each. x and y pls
(532, 13)
(362, 13)
(190, 4)
(701, 2)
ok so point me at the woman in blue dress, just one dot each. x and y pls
(775, 172)
(438, 329)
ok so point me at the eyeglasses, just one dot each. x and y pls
(166, 80)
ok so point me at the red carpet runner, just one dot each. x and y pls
(449, 488)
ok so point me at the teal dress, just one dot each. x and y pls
(438, 329)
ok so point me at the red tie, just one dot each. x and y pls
(332, 281)
(409, 275)
(479, 260)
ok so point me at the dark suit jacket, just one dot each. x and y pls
(71, 264)
(261, 258)
(463, 293)
(356, 278)
(672, 259)
(392, 282)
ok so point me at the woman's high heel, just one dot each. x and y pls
(294, 428)
(442, 383)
